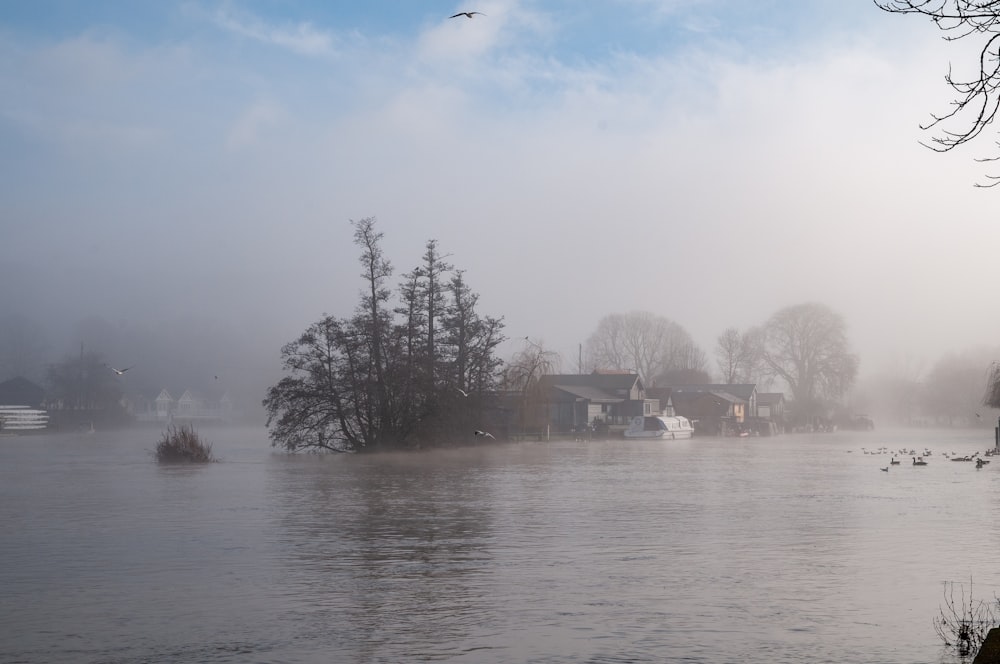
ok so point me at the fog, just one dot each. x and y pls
(183, 175)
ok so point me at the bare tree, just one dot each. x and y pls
(528, 365)
(372, 315)
(642, 342)
(977, 98)
(992, 396)
(522, 375)
(806, 346)
(84, 383)
(737, 355)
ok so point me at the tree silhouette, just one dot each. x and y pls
(977, 98)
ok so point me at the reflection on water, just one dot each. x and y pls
(791, 549)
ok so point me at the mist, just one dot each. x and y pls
(179, 180)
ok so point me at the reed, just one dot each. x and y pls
(183, 445)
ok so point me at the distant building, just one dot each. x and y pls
(771, 407)
(725, 410)
(20, 391)
(191, 406)
(22, 406)
(606, 399)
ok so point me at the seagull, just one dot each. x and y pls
(462, 392)
(484, 434)
(467, 14)
(118, 371)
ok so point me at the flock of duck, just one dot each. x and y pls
(921, 458)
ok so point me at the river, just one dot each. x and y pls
(796, 548)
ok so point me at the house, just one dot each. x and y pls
(192, 405)
(20, 391)
(606, 399)
(745, 391)
(771, 408)
(711, 413)
(22, 405)
(664, 396)
(164, 405)
(717, 409)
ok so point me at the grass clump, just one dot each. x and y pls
(182, 445)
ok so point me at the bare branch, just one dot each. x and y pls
(977, 99)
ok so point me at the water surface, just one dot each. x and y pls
(788, 549)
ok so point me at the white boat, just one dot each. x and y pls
(660, 426)
(22, 418)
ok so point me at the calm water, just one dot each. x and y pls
(788, 549)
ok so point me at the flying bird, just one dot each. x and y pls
(118, 371)
(484, 434)
(467, 14)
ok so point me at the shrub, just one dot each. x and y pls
(963, 622)
(183, 445)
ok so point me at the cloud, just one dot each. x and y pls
(302, 38)
(708, 182)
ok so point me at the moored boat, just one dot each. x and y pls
(660, 427)
(21, 418)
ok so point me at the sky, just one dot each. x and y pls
(710, 161)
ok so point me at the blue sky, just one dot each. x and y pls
(710, 161)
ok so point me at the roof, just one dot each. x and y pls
(597, 387)
(600, 380)
(682, 398)
(702, 404)
(768, 398)
(20, 391)
(661, 393)
(588, 393)
(742, 390)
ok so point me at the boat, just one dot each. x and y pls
(22, 418)
(662, 427)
